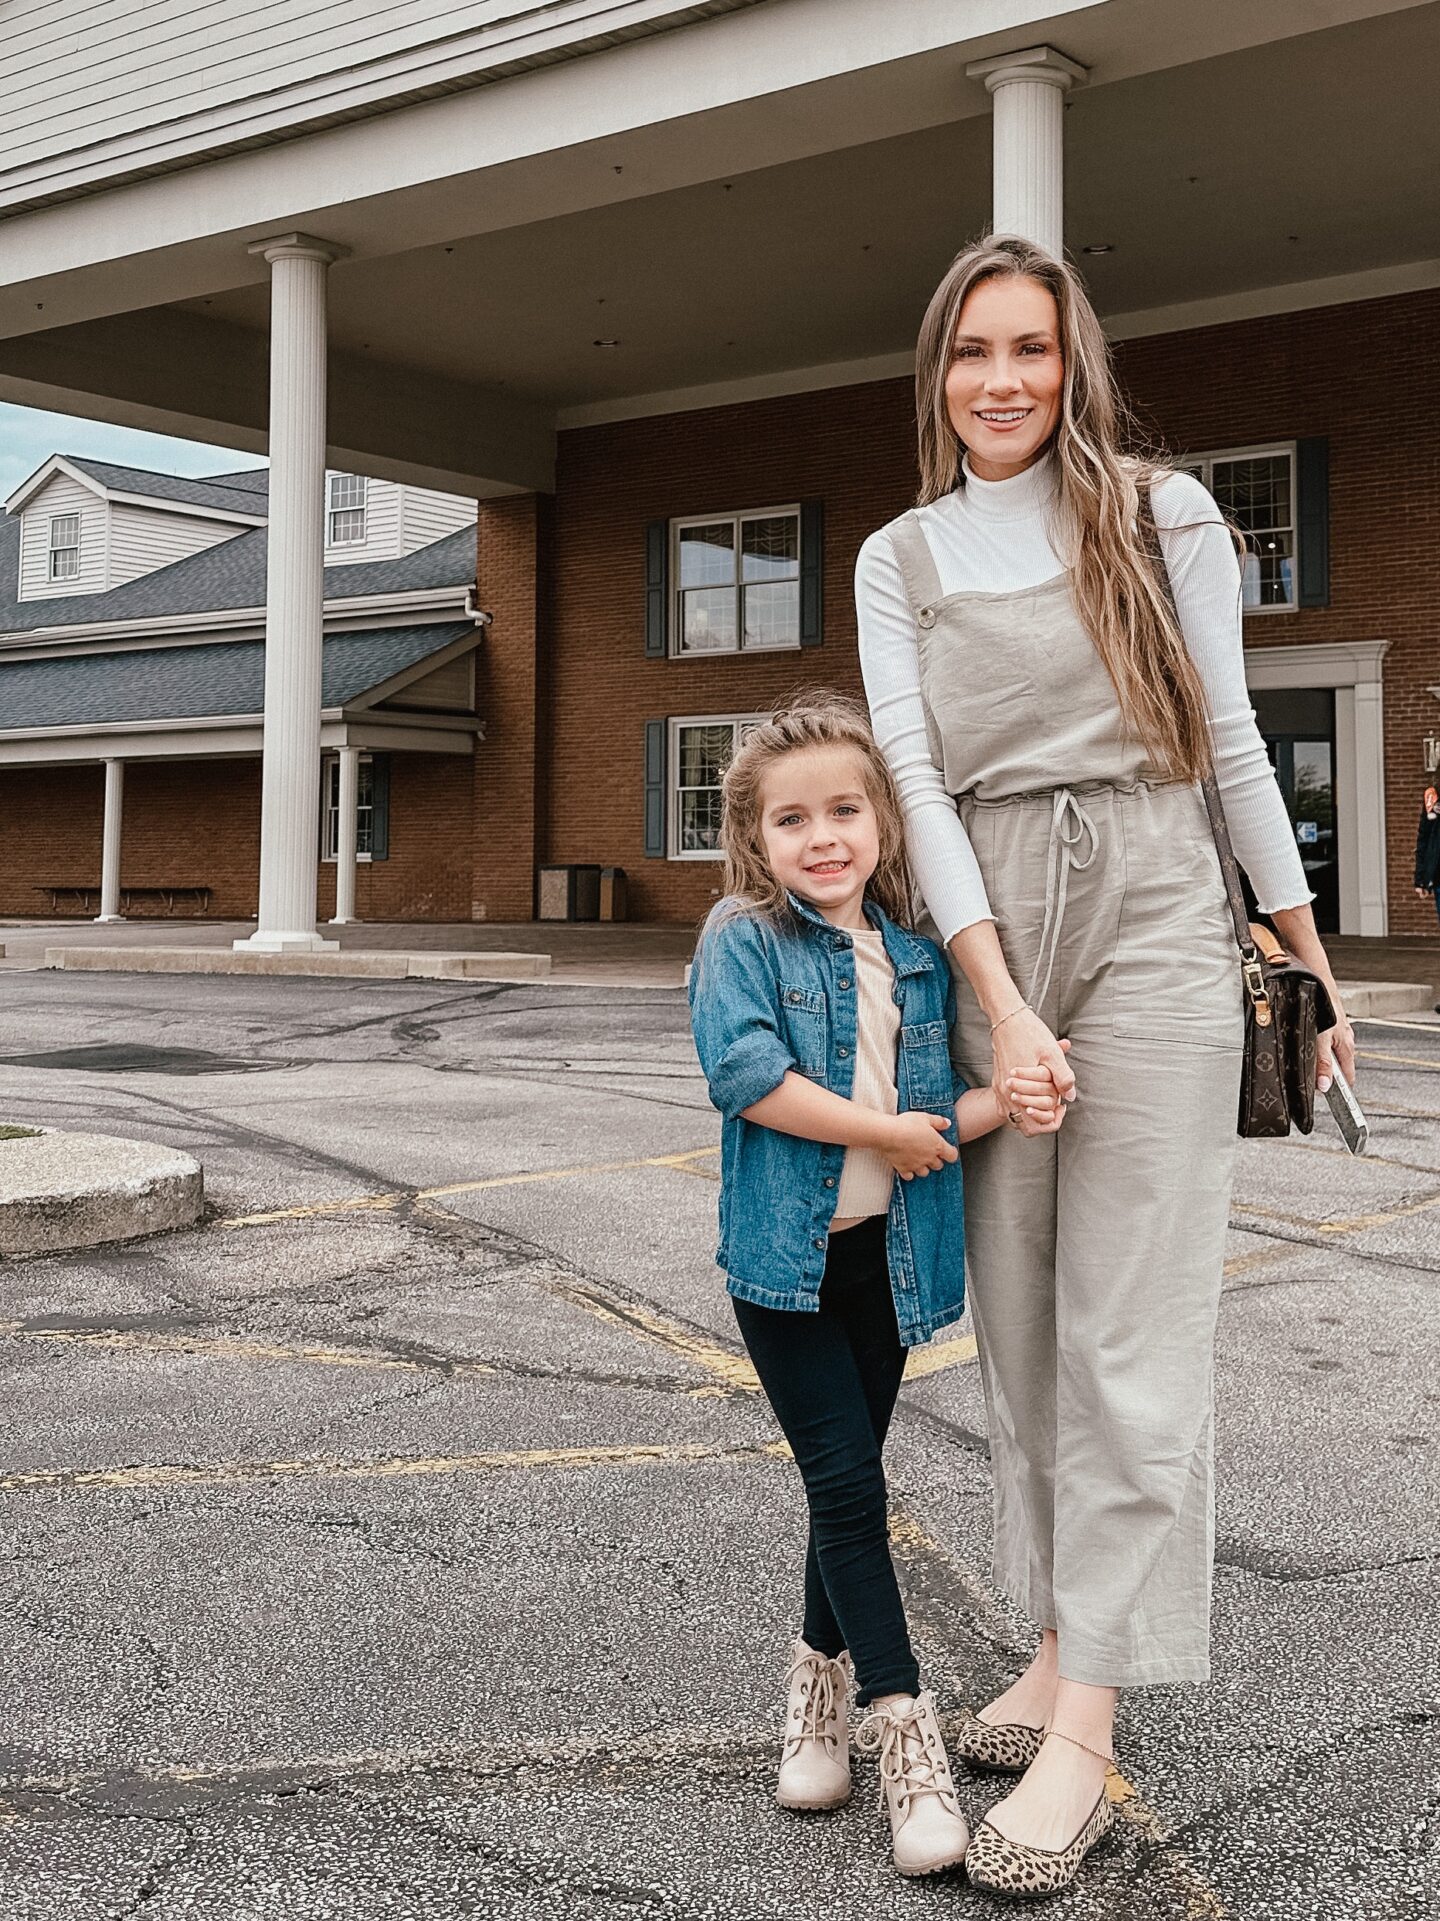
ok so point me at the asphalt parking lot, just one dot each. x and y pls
(409, 1539)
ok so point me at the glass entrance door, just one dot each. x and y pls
(1298, 724)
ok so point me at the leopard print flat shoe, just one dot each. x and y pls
(1010, 1867)
(1003, 1747)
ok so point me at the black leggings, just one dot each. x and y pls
(832, 1379)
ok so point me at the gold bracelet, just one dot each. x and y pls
(1023, 1008)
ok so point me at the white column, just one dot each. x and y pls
(294, 595)
(1029, 89)
(347, 828)
(110, 841)
(1368, 787)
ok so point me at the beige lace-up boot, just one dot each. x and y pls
(929, 1831)
(815, 1758)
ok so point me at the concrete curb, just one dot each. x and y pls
(344, 965)
(1365, 999)
(60, 1191)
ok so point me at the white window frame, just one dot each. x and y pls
(1203, 465)
(56, 548)
(673, 850)
(360, 506)
(330, 806)
(675, 635)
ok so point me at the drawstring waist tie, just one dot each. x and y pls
(1073, 845)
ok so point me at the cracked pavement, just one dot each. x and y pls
(408, 1539)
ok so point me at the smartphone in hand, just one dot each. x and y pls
(1354, 1128)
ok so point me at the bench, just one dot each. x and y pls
(85, 898)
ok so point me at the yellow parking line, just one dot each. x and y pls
(1399, 1060)
(381, 1203)
(389, 1467)
(224, 1347)
(731, 1371)
(1354, 1224)
(939, 1355)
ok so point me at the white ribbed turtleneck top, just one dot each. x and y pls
(993, 536)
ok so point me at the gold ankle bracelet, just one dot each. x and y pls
(1108, 1759)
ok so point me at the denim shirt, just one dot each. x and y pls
(768, 998)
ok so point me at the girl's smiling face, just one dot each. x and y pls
(820, 832)
(1006, 375)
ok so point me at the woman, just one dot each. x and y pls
(1021, 657)
(1427, 848)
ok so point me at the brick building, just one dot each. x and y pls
(132, 685)
(1342, 642)
(641, 279)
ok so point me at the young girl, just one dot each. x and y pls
(822, 1023)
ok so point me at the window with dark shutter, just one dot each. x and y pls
(1312, 486)
(657, 589)
(380, 807)
(812, 561)
(655, 731)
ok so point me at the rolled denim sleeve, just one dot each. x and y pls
(735, 1016)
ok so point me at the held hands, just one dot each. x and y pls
(916, 1144)
(1031, 1102)
(1022, 1043)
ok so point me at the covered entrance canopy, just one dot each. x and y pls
(473, 227)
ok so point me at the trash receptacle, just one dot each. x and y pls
(569, 893)
(612, 893)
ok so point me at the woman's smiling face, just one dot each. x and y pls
(1004, 385)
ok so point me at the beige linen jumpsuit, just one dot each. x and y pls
(1094, 1255)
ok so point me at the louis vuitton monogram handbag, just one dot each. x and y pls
(1286, 1005)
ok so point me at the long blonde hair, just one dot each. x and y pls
(812, 719)
(1121, 603)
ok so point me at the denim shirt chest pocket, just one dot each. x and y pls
(805, 1025)
(927, 1076)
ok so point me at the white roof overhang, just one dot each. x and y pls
(762, 197)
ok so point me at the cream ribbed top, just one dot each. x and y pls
(867, 1177)
(994, 536)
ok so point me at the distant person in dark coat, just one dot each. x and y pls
(1427, 848)
(1427, 852)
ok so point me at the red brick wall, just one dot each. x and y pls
(1362, 375)
(852, 448)
(49, 832)
(197, 823)
(1367, 377)
(515, 575)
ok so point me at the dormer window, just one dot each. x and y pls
(64, 546)
(347, 510)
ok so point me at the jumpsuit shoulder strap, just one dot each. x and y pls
(917, 563)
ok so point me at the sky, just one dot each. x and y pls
(29, 436)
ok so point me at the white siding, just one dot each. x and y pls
(382, 527)
(87, 74)
(397, 521)
(62, 495)
(142, 539)
(426, 517)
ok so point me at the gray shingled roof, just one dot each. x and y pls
(185, 683)
(221, 491)
(230, 574)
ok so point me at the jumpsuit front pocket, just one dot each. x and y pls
(1176, 973)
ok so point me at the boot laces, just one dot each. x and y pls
(912, 1761)
(816, 1675)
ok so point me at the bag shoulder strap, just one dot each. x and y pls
(917, 563)
(1209, 786)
